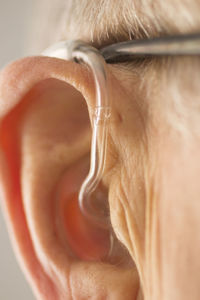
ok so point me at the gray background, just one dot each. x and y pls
(14, 28)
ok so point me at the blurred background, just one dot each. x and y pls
(15, 25)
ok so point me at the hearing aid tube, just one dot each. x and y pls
(83, 53)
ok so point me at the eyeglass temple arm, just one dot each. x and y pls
(174, 45)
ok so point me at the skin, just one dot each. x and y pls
(151, 179)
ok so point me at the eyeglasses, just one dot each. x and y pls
(96, 59)
(165, 46)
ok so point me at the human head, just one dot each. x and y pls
(154, 133)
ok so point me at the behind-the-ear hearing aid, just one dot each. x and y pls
(99, 219)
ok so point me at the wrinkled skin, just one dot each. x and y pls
(151, 179)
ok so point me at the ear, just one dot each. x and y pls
(44, 153)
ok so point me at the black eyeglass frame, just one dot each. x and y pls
(177, 45)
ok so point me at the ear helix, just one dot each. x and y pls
(84, 205)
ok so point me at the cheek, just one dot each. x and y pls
(126, 170)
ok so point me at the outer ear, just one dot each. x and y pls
(44, 145)
(44, 123)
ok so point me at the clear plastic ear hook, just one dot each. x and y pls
(100, 116)
(81, 52)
